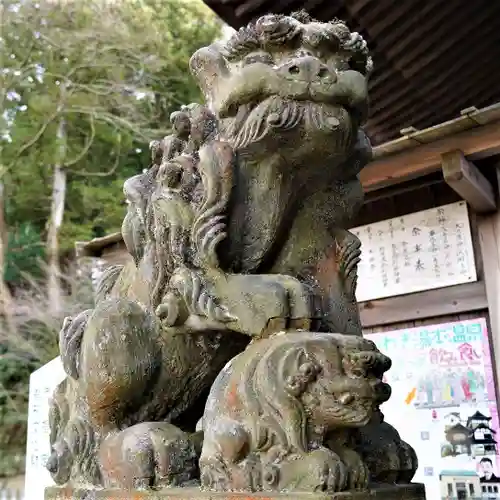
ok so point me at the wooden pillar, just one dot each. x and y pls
(489, 238)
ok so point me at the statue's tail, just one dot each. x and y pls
(71, 334)
(107, 282)
(70, 341)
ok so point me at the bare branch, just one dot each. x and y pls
(86, 147)
(36, 137)
(111, 171)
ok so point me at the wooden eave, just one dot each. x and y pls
(475, 132)
(95, 247)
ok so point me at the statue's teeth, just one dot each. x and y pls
(273, 118)
(332, 121)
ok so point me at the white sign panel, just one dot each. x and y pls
(420, 251)
(42, 385)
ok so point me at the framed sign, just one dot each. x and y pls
(420, 251)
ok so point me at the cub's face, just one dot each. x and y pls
(349, 388)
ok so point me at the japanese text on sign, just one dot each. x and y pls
(420, 251)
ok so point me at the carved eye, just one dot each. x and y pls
(294, 385)
(261, 57)
(346, 398)
(303, 53)
(308, 370)
(271, 476)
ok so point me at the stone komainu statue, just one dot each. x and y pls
(237, 232)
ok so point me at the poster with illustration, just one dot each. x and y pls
(443, 403)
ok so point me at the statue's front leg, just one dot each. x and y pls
(358, 473)
(320, 470)
(263, 304)
(388, 457)
(256, 305)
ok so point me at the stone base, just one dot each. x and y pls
(384, 492)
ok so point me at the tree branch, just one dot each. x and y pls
(86, 147)
(111, 171)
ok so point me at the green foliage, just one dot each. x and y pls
(29, 342)
(14, 372)
(85, 63)
(81, 63)
(24, 254)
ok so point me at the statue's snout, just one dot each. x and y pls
(308, 69)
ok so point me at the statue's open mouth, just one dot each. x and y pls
(232, 101)
(255, 120)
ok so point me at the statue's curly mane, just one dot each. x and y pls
(288, 30)
(58, 410)
(281, 418)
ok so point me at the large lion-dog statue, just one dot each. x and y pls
(237, 232)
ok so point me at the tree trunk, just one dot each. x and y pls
(54, 290)
(5, 297)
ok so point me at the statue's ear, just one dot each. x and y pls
(302, 358)
(291, 370)
(208, 66)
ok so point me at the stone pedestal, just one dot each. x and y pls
(387, 492)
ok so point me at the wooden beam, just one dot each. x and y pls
(476, 143)
(489, 242)
(468, 182)
(417, 306)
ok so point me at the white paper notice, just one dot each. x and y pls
(420, 251)
(42, 385)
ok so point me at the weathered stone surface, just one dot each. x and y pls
(237, 232)
(284, 415)
(380, 492)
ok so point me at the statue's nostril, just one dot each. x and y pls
(294, 70)
(323, 72)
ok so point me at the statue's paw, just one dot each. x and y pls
(320, 470)
(333, 473)
(189, 295)
(359, 475)
(408, 462)
(298, 303)
(266, 304)
(335, 476)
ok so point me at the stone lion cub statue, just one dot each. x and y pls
(284, 415)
